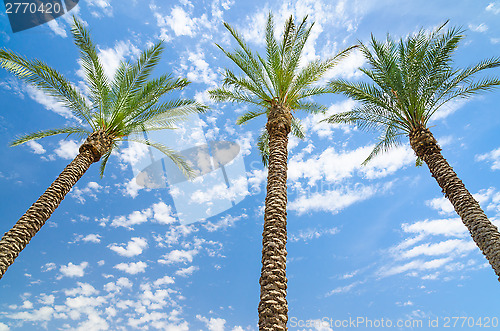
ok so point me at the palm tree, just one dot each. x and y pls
(411, 80)
(276, 86)
(123, 108)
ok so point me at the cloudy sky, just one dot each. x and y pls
(365, 242)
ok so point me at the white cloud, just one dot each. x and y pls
(57, 29)
(213, 324)
(132, 188)
(343, 289)
(179, 21)
(493, 156)
(103, 7)
(309, 234)
(91, 189)
(72, 270)
(136, 217)
(36, 147)
(132, 268)
(448, 109)
(68, 149)
(38, 315)
(223, 223)
(134, 247)
(415, 265)
(493, 7)
(478, 28)
(84, 289)
(348, 67)
(185, 272)
(4, 327)
(331, 200)
(455, 246)
(112, 56)
(158, 212)
(48, 102)
(163, 213)
(166, 280)
(198, 69)
(442, 205)
(335, 166)
(178, 256)
(452, 227)
(93, 238)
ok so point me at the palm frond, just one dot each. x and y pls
(94, 72)
(263, 146)
(249, 116)
(49, 80)
(47, 133)
(177, 158)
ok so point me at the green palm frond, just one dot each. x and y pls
(129, 83)
(297, 129)
(177, 158)
(389, 139)
(249, 116)
(130, 104)
(410, 80)
(94, 72)
(263, 146)
(47, 133)
(40, 75)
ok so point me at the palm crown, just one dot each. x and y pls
(276, 79)
(122, 108)
(411, 80)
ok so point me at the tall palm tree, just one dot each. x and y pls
(276, 86)
(411, 79)
(123, 108)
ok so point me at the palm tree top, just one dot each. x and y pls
(278, 77)
(122, 108)
(411, 79)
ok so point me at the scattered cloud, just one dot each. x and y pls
(185, 272)
(90, 190)
(213, 324)
(132, 268)
(331, 201)
(68, 149)
(36, 147)
(100, 8)
(493, 7)
(478, 28)
(178, 256)
(309, 234)
(72, 270)
(493, 157)
(134, 247)
(57, 29)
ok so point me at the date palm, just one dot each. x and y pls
(276, 85)
(411, 79)
(124, 108)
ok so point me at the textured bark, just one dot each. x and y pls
(273, 307)
(483, 232)
(14, 241)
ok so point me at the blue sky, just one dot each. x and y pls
(375, 242)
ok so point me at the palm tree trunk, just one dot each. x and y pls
(14, 241)
(483, 232)
(273, 307)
